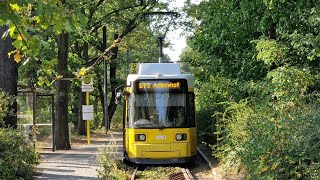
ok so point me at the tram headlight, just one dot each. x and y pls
(181, 136)
(140, 137)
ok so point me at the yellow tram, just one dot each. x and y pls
(159, 115)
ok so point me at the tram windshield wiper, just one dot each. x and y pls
(164, 125)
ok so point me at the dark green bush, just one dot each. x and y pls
(270, 142)
(17, 159)
(6, 100)
(276, 136)
(210, 98)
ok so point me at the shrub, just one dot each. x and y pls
(17, 159)
(6, 100)
(110, 167)
(270, 142)
(276, 136)
(210, 98)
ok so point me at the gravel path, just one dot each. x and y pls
(78, 163)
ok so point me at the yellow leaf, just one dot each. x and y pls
(19, 37)
(29, 7)
(59, 76)
(264, 169)
(82, 71)
(38, 19)
(15, 7)
(17, 56)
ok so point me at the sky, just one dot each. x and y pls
(178, 42)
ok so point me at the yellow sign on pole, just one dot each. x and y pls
(87, 85)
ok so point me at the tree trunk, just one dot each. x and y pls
(8, 75)
(113, 81)
(101, 97)
(100, 89)
(272, 35)
(272, 31)
(61, 130)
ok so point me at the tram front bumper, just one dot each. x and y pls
(161, 150)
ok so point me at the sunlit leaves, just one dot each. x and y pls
(13, 34)
(269, 51)
(307, 46)
(290, 82)
(42, 81)
(34, 25)
(15, 7)
(59, 17)
(82, 72)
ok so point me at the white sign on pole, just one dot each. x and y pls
(87, 112)
(87, 86)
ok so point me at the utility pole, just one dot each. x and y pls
(105, 79)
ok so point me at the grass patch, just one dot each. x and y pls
(110, 165)
(157, 172)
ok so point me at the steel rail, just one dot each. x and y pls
(187, 174)
(133, 177)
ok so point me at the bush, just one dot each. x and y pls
(270, 142)
(110, 167)
(210, 98)
(17, 159)
(5, 102)
(277, 136)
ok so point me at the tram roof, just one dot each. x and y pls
(160, 71)
(159, 68)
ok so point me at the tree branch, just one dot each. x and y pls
(93, 10)
(98, 24)
(130, 26)
(92, 63)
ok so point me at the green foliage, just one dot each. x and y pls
(110, 167)
(216, 90)
(117, 121)
(273, 134)
(34, 26)
(17, 159)
(257, 72)
(272, 141)
(269, 52)
(6, 101)
(290, 82)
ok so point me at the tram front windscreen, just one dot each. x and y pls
(158, 104)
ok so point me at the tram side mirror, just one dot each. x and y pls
(118, 97)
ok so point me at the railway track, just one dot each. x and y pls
(188, 171)
(185, 174)
(133, 177)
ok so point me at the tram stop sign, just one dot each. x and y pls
(87, 85)
(87, 112)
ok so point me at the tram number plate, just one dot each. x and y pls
(161, 137)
